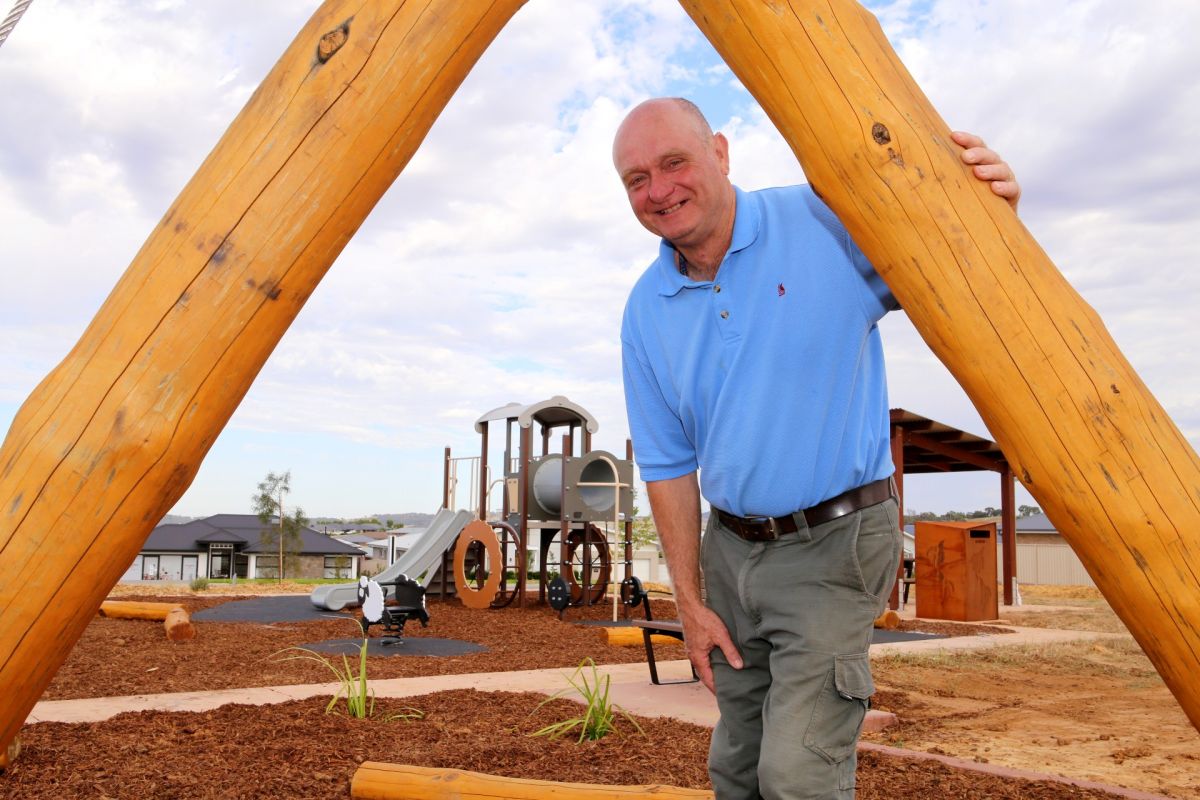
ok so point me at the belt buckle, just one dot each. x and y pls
(769, 527)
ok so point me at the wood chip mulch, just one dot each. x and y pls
(294, 750)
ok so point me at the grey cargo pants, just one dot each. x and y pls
(800, 610)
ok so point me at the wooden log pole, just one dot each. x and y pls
(1080, 429)
(108, 442)
(374, 780)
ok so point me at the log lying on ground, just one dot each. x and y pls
(136, 609)
(179, 625)
(1079, 428)
(631, 637)
(374, 780)
(175, 618)
(889, 620)
(110, 440)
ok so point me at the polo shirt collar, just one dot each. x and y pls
(745, 230)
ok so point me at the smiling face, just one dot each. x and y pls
(675, 173)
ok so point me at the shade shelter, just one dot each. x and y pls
(923, 445)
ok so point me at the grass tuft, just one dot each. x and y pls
(359, 696)
(600, 713)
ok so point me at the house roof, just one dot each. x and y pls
(243, 531)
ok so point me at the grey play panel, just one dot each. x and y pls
(882, 636)
(408, 646)
(269, 608)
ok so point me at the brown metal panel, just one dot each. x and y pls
(956, 571)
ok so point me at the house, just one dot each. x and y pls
(214, 546)
(1043, 555)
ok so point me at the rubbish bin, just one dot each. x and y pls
(956, 571)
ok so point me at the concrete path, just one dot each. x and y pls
(631, 687)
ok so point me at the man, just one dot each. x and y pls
(752, 355)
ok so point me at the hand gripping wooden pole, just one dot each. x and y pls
(108, 442)
(1078, 426)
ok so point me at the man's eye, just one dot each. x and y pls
(674, 163)
(635, 182)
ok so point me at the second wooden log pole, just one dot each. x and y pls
(1079, 428)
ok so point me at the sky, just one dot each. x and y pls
(496, 267)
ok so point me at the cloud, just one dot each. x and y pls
(495, 269)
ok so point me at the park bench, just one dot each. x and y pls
(633, 594)
(391, 604)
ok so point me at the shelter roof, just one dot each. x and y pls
(931, 446)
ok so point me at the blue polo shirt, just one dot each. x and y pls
(770, 378)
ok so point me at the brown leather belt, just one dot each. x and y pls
(767, 529)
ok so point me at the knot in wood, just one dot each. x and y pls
(332, 42)
(879, 133)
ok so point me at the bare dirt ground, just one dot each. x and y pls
(1090, 710)
(1093, 711)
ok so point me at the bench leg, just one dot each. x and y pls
(654, 667)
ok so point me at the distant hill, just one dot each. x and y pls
(175, 519)
(410, 519)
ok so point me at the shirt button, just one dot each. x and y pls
(724, 315)
(717, 288)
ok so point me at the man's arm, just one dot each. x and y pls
(675, 504)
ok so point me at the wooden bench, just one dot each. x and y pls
(634, 594)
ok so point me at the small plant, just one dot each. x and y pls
(599, 715)
(198, 584)
(360, 698)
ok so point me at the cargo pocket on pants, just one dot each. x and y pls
(839, 711)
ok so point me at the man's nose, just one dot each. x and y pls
(660, 188)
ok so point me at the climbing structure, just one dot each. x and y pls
(571, 496)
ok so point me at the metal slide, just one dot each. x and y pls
(415, 562)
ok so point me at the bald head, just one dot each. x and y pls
(680, 110)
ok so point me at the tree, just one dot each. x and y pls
(645, 534)
(285, 535)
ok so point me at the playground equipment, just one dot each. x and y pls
(112, 438)
(418, 562)
(409, 603)
(563, 496)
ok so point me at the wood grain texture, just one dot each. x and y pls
(375, 780)
(108, 442)
(1078, 426)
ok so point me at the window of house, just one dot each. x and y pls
(337, 566)
(149, 568)
(266, 567)
(219, 558)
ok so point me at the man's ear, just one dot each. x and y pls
(721, 148)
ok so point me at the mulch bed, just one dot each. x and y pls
(294, 750)
(230, 655)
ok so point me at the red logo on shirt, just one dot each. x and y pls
(782, 291)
